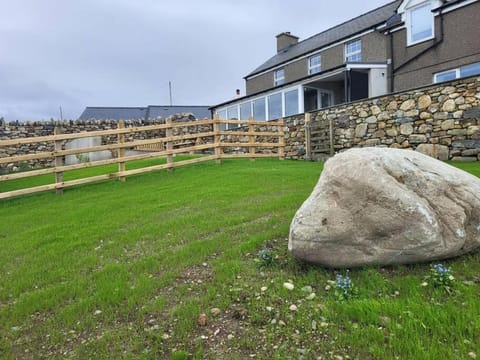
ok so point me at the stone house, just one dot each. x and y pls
(399, 46)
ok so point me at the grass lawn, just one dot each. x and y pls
(124, 270)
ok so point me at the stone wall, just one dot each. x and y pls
(441, 120)
(15, 130)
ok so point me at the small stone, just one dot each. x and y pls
(407, 105)
(307, 288)
(314, 325)
(273, 322)
(165, 336)
(311, 296)
(288, 286)
(204, 264)
(406, 129)
(449, 105)
(424, 284)
(281, 323)
(327, 287)
(269, 308)
(263, 289)
(293, 307)
(202, 320)
(392, 105)
(424, 101)
(472, 355)
(230, 336)
(301, 351)
(155, 327)
(97, 312)
(323, 324)
(215, 311)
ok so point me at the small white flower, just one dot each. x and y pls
(424, 284)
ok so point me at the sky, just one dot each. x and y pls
(70, 54)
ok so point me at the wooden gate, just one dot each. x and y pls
(318, 138)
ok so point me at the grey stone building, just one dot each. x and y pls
(401, 45)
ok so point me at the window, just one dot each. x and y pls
(353, 51)
(469, 70)
(419, 23)
(222, 114)
(445, 76)
(291, 102)
(452, 74)
(245, 111)
(314, 64)
(259, 109)
(275, 106)
(279, 77)
(232, 113)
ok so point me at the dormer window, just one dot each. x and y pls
(279, 77)
(420, 23)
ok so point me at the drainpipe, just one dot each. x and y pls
(346, 83)
(435, 44)
(392, 66)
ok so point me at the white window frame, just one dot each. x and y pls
(316, 68)
(264, 96)
(349, 54)
(279, 77)
(457, 73)
(408, 22)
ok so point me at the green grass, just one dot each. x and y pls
(123, 270)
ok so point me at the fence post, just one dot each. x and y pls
(58, 160)
(169, 134)
(121, 151)
(308, 144)
(216, 139)
(251, 139)
(330, 133)
(281, 139)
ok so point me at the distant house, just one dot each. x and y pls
(146, 113)
(401, 45)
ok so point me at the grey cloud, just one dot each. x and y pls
(124, 53)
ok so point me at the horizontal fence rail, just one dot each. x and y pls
(242, 142)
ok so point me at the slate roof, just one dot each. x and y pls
(147, 113)
(200, 112)
(351, 27)
(113, 113)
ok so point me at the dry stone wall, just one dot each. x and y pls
(16, 130)
(441, 120)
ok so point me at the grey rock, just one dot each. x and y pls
(387, 206)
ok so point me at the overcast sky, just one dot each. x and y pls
(78, 53)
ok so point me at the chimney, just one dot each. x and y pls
(284, 40)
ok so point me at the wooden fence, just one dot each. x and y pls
(213, 141)
(318, 138)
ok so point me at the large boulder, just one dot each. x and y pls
(387, 206)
